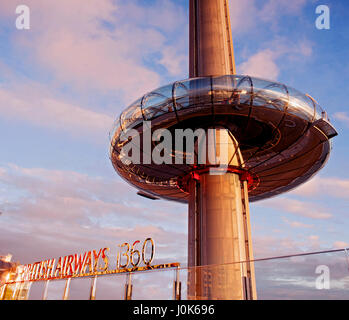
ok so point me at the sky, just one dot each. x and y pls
(64, 81)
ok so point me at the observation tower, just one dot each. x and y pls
(243, 139)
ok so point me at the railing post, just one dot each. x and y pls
(177, 287)
(44, 295)
(2, 291)
(15, 291)
(128, 287)
(66, 289)
(26, 287)
(347, 254)
(93, 288)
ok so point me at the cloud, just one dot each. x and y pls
(247, 14)
(340, 245)
(107, 47)
(89, 49)
(46, 111)
(318, 186)
(265, 63)
(297, 224)
(342, 116)
(174, 62)
(296, 207)
(48, 211)
(104, 45)
(243, 15)
(267, 246)
(275, 9)
(262, 65)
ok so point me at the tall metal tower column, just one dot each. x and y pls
(210, 39)
(219, 223)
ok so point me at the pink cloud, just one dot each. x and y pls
(46, 111)
(72, 42)
(274, 246)
(297, 224)
(275, 9)
(265, 63)
(261, 64)
(342, 116)
(297, 207)
(318, 186)
(49, 213)
(246, 14)
(90, 46)
(340, 245)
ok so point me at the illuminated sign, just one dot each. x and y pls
(130, 258)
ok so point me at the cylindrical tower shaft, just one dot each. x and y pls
(219, 223)
(211, 45)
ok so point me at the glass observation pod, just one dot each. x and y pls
(283, 134)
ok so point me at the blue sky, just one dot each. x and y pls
(64, 81)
